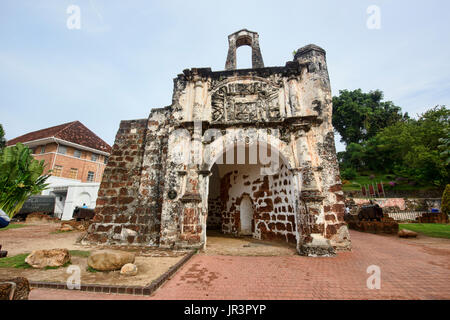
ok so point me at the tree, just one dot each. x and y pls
(20, 177)
(2, 137)
(358, 116)
(444, 146)
(408, 148)
(445, 204)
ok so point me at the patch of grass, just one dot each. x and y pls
(17, 261)
(13, 226)
(437, 230)
(90, 269)
(79, 253)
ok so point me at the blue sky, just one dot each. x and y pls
(121, 63)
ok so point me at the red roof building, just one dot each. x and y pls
(70, 150)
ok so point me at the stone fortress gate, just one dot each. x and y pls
(247, 152)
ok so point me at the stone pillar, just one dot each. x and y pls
(310, 223)
(293, 100)
(192, 212)
(197, 110)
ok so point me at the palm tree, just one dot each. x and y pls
(20, 177)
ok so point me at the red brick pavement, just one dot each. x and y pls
(407, 272)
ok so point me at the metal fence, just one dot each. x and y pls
(406, 216)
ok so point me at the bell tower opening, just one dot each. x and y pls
(240, 38)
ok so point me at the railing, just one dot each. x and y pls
(406, 216)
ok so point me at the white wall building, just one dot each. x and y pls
(69, 194)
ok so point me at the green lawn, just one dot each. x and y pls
(14, 226)
(436, 230)
(17, 261)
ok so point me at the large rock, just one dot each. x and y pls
(48, 258)
(109, 260)
(14, 289)
(129, 270)
(73, 225)
(404, 233)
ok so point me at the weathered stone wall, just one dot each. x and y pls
(119, 215)
(214, 221)
(432, 217)
(272, 198)
(129, 201)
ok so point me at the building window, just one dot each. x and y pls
(106, 159)
(94, 157)
(73, 173)
(90, 176)
(57, 171)
(42, 149)
(62, 149)
(77, 154)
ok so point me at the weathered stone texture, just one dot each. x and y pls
(157, 187)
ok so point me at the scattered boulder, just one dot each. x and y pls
(48, 258)
(14, 289)
(109, 260)
(129, 270)
(74, 225)
(66, 228)
(404, 233)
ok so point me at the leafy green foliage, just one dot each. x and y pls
(20, 177)
(445, 205)
(408, 148)
(349, 174)
(444, 146)
(357, 116)
(2, 137)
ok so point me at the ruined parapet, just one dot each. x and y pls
(128, 209)
(244, 38)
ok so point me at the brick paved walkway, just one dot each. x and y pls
(408, 271)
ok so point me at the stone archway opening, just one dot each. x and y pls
(247, 197)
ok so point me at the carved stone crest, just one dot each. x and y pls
(245, 102)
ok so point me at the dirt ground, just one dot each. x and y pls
(151, 262)
(38, 237)
(220, 244)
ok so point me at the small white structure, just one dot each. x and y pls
(69, 194)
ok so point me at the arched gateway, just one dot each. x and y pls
(247, 151)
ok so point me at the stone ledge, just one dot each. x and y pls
(115, 289)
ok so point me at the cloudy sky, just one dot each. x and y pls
(121, 62)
